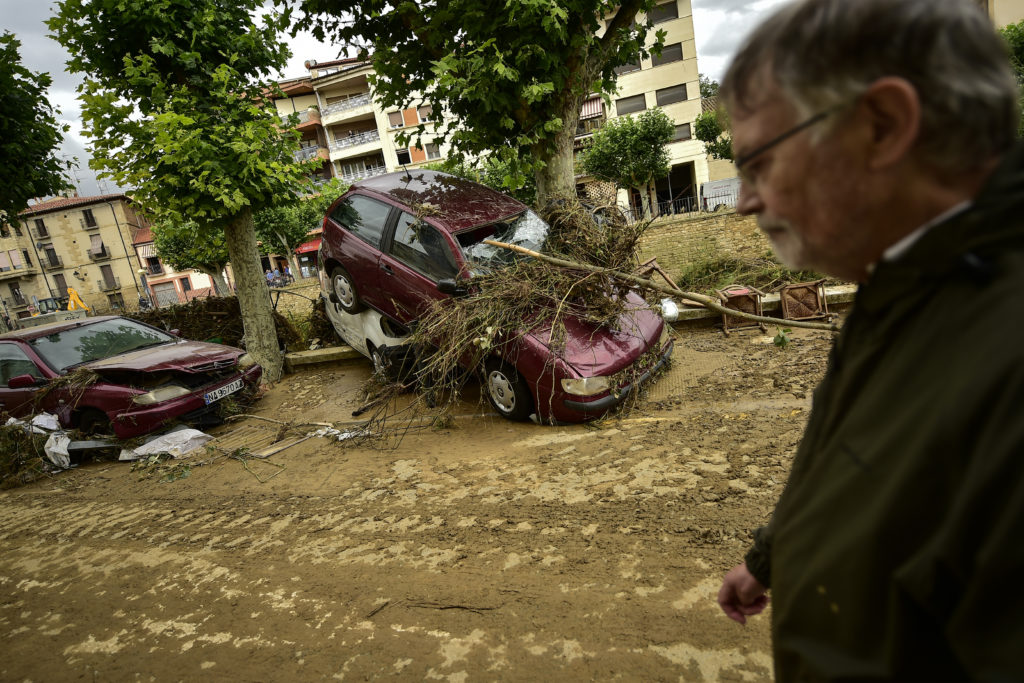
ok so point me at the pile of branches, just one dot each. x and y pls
(523, 297)
(22, 458)
(216, 319)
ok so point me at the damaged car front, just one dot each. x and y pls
(115, 374)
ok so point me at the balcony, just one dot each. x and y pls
(101, 254)
(109, 284)
(346, 108)
(368, 172)
(16, 301)
(15, 273)
(43, 234)
(357, 144)
(308, 119)
(154, 269)
(306, 153)
(52, 262)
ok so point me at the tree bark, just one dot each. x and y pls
(253, 295)
(289, 255)
(557, 178)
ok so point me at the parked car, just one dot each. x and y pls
(140, 378)
(395, 243)
(381, 340)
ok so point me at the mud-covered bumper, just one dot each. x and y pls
(603, 404)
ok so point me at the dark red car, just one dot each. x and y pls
(140, 378)
(377, 254)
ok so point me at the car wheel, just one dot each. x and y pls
(93, 422)
(381, 363)
(343, 291)
(507, 391)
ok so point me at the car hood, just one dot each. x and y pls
(599, 351)
(184, 355)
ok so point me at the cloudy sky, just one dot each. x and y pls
(719, 26)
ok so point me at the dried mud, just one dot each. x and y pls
(487, 551)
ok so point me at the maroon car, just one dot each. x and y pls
(378, 254)
(140, 378)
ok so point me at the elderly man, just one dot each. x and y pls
(875, 142)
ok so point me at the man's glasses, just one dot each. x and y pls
(778, 139)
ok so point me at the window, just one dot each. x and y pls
(41, 228)
(395, 119)
(115, 300)
(627, 68)
(362, 216)
(682, 132)
(153, 265)
(15, 258)
(61, 284)
(96, 248)
(186, 285)
(28, 261)
(669, 53)
(90, 221)
(676, 93)
(628, 105)
(425, 114)
(404, 157)
(433, 151)
(108, 277)
(15, 362)
(51, 256)
(422, 248)
(665, 12)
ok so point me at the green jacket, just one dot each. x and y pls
(896, 550)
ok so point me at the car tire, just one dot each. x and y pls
(507, 391)
(93, 422)
(343, 291)
(382, 366)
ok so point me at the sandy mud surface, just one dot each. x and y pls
(487, 551)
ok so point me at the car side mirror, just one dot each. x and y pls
(21, 382)
(448, 286)
(175, 332)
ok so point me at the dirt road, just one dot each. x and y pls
(487, 551)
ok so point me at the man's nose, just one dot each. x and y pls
(749, 200)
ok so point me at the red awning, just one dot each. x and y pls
(591, 108)
(311, 245)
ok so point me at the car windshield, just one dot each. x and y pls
(68, 348)
(525, 230)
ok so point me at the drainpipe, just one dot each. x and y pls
(135, 280)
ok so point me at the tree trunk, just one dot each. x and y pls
(293, 261)
(253, 295)
(220, 287)
(558, 177)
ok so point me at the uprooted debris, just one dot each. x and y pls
(214, 319)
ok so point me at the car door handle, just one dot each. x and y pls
(387, 269)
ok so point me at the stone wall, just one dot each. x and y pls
(678, 240)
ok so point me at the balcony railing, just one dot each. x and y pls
(52, 262)
(305, 153)
(43, 234)
(154, 270)
(369, 172)
(346, 104)
(309, 115)
(16, 301)
(355, 139)
(100, 254)
(106, 285)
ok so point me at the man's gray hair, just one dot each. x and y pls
(823, 53)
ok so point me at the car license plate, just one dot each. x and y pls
(218, 394)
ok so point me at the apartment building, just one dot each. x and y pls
(163, 284)
(79, 242)
(671, 82)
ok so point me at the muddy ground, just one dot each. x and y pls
(487, 551)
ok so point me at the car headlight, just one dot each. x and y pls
(160, 395)
(588, 386)
(246, 361)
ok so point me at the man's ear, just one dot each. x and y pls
(892, 111)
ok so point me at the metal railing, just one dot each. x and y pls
(15, 301)
(43, 234)
(346, 104)
(355, 139)
(305, 153)
(369, 172)
(308, 115)
(154, 270)
(106, 285)
(99, 255)
(52, 262)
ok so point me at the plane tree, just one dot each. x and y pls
(173, 100)
(511, 76)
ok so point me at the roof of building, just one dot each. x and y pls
(58, 203)
(145, 234)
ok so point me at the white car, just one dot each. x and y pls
(372, 335)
